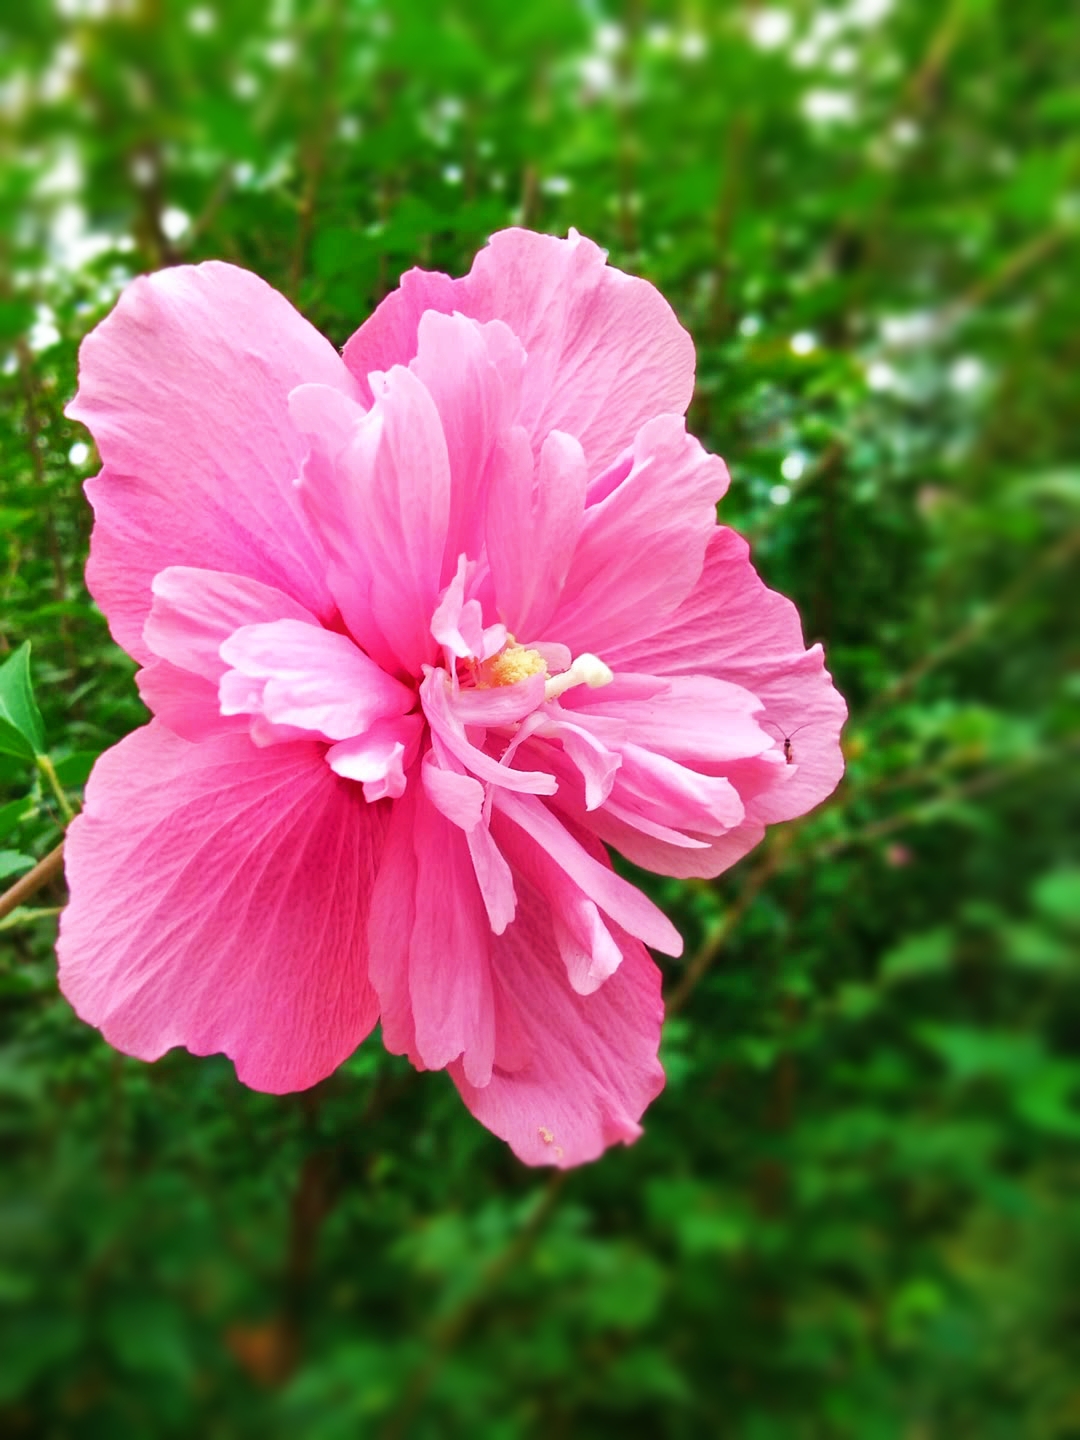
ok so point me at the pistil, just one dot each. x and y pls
(587, 670)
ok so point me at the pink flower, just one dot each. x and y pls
(423, 629)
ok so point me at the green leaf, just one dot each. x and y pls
(14, 812)
(74, 769)
(928, 953)
(1057, 896)
(1049, 1101)
(21, 730)
(972, 1053)
(12, 863)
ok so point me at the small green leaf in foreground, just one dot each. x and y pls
(21, 730)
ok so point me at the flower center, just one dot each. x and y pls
(516, 662)
(513, 663)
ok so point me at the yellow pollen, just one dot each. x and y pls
(513, 663)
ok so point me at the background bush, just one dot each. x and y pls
(854, 1212)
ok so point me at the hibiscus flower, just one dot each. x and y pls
(423, 629)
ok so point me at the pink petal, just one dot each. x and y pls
(586, 1065)
(380, 757)
(473, 373)
(587, 946)
(314, 679)
(642, 547)
(605, 351)
(336, 507)
(186, 704)
(379, 492)
(458, 624)
(667, 856)
(494, 877)
(733, 627)
(449, 969)
(453, 793)
(194, 610)
(596, 763)
(184, 389)
(631, 814)
(438, 707)
(497, 705)
(533, 523)
(620, 900)
(219, 901)
(429, 941)
(390, 926)
(460, 799)
(391, 336)
(695, 719)
(660, 789)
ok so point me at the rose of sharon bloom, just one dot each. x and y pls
(423, 630)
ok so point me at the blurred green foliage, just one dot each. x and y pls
(854, 1213)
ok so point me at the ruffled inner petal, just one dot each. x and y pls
(642, 547)
(380, 757)
(733, 627)
(306, 678)
(449, 968)
(377, 485)
(451, 732)
(619, 900)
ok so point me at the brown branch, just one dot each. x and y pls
(986, 780)
(448, 1332)
(924, 82)
(217, 197)
(1039, 248)
(314, 151)
(723, 224)
(34, 434)
(626, 146)
(530, 194)
(970, 631)
(707, 954)
(30, 883)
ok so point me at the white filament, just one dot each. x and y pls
(586, 670)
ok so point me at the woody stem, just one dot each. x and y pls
(30, 883)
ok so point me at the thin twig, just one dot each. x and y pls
(1032, 252)
(30, 883)
(1028, 255)
(449, 1331)
(220, 192)
(971, 630)
(314, 152)
(26, 917)
(723, 224)
(978, 785)
(35, 433)
(707, 954)
(943, 41)
(67, 810)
